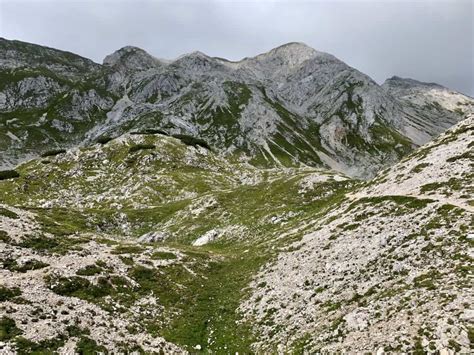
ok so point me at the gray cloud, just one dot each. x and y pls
(426, 40)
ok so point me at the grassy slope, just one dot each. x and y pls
(201, 309)
(202, 292)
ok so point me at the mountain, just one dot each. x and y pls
(292, 106)
(430, 108)
(150, 243)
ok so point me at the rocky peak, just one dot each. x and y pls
(132, 58)
(197, 63)
(285, 60)
(194, 54)
(293, 53)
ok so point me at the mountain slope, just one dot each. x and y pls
(147, 243)
(386, 270)
(144, 235)
(290, 106)
(48, 99)
(430, 108)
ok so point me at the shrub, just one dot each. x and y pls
(9, 174)
(89, 346)
(128, 249)
(46, 346)
(40, 243)
(33, 264)
(192, 141)
(57, 245)
(8, 213)
(89, 270)
(136, 148)
(80, 287)
(52, 153)
(8, 329)
(8, 293)
(104, 140)
(4, 237)
(163, 255)
(150, 131)
(65, 286)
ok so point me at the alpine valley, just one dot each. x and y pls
(284, 203)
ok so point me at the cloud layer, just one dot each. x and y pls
(426, 40)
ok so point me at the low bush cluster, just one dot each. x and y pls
(81, 287)
(192, 141)
(136, 148)
(150, 131)
(89, 270)
(8, 213)
(8, 329)
(8, 293)
(33, 264)
(9, 174)
(52, 153)
(104, 140)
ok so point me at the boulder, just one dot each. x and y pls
(153, 237)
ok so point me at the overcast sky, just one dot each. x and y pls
(428, 40)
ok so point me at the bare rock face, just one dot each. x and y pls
(430, 108)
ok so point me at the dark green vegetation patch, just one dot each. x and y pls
(192, 141)
(52, 153)
(47, 346)
(56, 245)
(89, 270)
(87, 345)
(150, 131)
(138, 147)
(9, 174)
(163, 255)
(7, 294)
(8, 329)
(81, 287)
(104, 140)
(8, 213)
(4, 237)
(32, 264)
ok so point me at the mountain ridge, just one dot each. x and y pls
(289, 106)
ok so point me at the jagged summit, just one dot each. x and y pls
(289, 54)
(193, 54)
(290, 49)
(132, 58)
